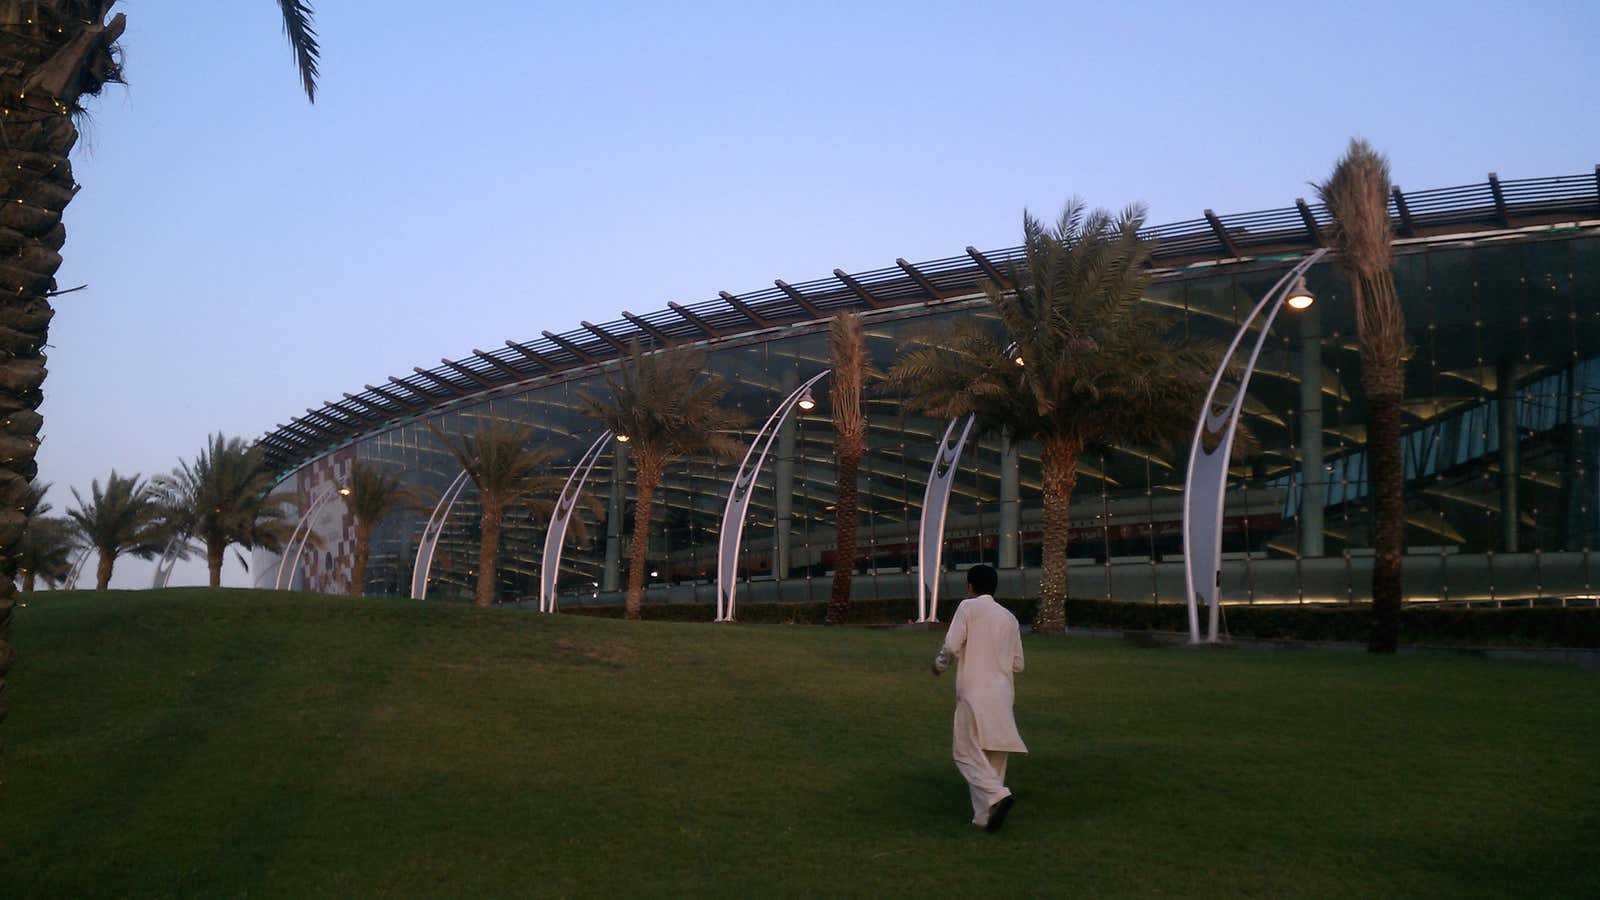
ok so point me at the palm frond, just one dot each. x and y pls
(302, 34)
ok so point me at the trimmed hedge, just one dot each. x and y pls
(1541, 626)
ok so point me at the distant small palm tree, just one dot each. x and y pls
(121, 519)
(374, 493)
(1084, 364)
(46, 551)
(1357, 194)
(507, 471)
(851, 370)
(662, 407)
(220, 500)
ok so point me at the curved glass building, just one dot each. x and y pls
(1501, 285)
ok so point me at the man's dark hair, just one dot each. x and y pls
(983, 579)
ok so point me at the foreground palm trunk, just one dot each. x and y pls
(51, 58)
(647, 476)
(1060, 470)
(1388, 493)
(487, 548)
(844, 562)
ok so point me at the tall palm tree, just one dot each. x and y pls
(1357, 195)
(374, 493)
(221, 499)
(851, 369)
(53, 54)
(1083, 365)
(665, 410)
(507, 471)
(122, 519)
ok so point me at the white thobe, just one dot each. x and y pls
(986, 642)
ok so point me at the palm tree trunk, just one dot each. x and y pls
(102, 578)
(647, 474)
(358, 568)
(44, 66)
(1388, 496)
(488, 548)
(27, 582)
(215, 551)
(844, 557)
(1060, 470)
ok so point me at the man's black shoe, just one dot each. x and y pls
(997, 813)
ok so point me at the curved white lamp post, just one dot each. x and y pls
(289, 564)
(930, 535)
(76, 572)
(1205, 484)
(168, 560)
(555, 537)
(430, 536)
(739, 496)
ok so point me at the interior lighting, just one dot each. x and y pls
(1300, 296)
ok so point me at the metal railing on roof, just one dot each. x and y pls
(1492, 204)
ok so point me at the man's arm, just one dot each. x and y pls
(1016, 652)
(955, 640)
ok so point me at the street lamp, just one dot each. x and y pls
(807, 402)
(1300, 296)
(623, 439)
(1206, 482)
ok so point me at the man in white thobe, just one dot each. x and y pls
(986, 643)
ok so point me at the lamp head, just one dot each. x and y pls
(344, 490)
(807, 402)
(623, 439)
(1300, 296)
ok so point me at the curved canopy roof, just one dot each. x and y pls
(1493, 204)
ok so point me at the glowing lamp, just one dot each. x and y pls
(1300, 296)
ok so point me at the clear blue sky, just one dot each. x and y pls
(467, 179)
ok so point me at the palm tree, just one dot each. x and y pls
(665, 411)
(47, 544)
(56, 53)
(1357, 195)
(221, 500)
(373, 493)
(1083, 365)
(46, 551)
(851, 369)
(506, 471)
(123, 518)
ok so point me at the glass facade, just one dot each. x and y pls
(1501, 447)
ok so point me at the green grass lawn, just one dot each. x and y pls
(222, 743)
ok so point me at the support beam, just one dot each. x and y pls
(413, 389)
(660, 336)
(921, 279)
(1499, 200)
(1310, 221)
(1407, 227)
(319, 415)
(695, 320)
(1010, 502)
(605, 335)
(1222, 234)
(744, 308)
(381, 412)
(799, 298)
(312, 429)
(859, 289)
(466, 373)
(568, 346)
(533, 355)
(611, 573)
(354, 412)
(502, 365)
(405, 403)
(440, 380)
(989, 268)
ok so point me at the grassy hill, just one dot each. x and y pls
(221, 743)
